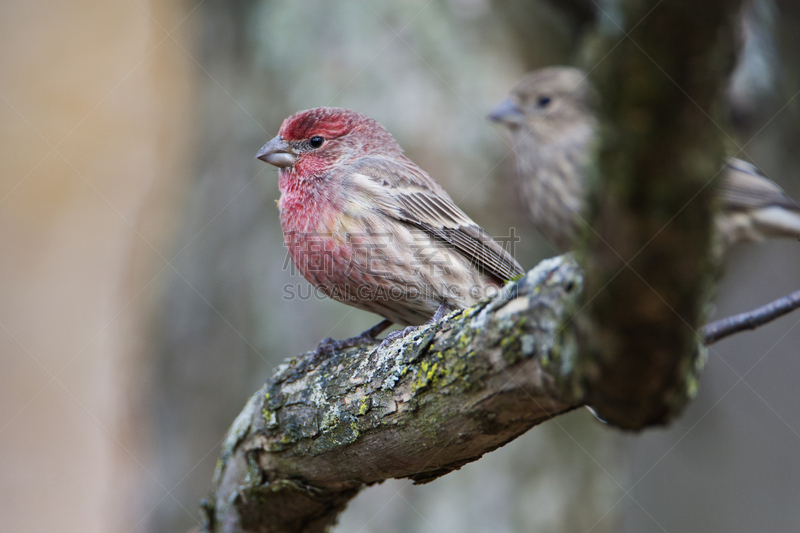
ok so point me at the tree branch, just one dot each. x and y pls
(427, 404)
(751, 319)
(320, 431)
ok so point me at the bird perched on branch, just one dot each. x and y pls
(550, 115)
(369, 228)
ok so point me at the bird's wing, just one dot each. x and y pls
(402, 190)
(743, 187)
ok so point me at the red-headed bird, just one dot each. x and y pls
(369, 228)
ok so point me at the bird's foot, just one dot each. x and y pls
(329, 345)
(397, 334)
(444, 307)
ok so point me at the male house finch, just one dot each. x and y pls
(369, 228)
(550, 116)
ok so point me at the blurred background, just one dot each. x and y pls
(145, 291)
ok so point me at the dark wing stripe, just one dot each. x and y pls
(438, 205)
(498, 258)
(484, 253)
(415, 205)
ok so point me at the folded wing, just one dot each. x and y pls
(405, 192)
(754, 207)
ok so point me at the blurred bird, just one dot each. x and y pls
(369, 228)
(550, 115)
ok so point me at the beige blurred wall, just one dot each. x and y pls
(95, 115)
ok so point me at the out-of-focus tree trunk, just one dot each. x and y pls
(742, 429)
(547, 32)
(94, 134)
(206, 353)
(788, 38)
(662, 69)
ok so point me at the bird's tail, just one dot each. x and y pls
(777, 222)
(754, 207)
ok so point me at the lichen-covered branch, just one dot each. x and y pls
(323, 428)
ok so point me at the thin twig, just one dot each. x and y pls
(751, 319)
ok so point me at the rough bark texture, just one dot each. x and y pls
(425, 405)
(661, 67)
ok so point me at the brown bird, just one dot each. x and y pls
(371, 229)
(550, 115)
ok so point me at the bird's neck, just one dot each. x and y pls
(565, 133)
(305, 202)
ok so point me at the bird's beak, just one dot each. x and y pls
(507, 112)
(277, 152)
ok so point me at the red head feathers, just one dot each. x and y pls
(332, 123)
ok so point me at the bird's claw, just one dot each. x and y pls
(330, 346)
(397, 334)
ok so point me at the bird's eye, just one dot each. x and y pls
(544, 101)
(316, 141)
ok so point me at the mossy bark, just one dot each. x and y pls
(325, 427)
(662, 68)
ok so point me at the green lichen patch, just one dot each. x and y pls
(510, 348)
(270, 418)
(363, 405)
(338, 429)
(425, 375)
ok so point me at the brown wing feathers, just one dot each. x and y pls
(743, 187)
(422, 203)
